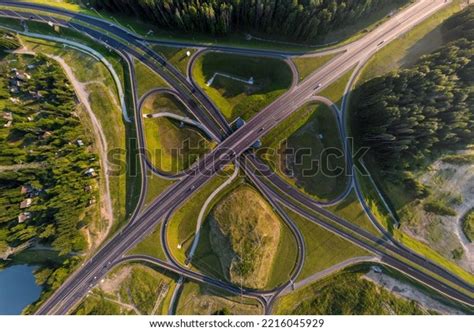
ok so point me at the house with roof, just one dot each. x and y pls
(24, 216)
(91, 172)
(26, 203)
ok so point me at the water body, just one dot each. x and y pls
(17, 289)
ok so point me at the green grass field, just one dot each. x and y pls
(171, 147)
(147, 79)
(150, 245)
(351, 210)
(319, 135)
(198, 299)
(176, 56)
(156, 185)
(313, 132)
(345, 293)
(335, 91)
(237, 99)
(308, 65)
(323, 248)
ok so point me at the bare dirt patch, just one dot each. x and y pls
(453, 186)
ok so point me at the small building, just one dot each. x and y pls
(25, 189)
(7, 116)
(26, 203)
(80, 143)
(24, 216)
(91, 172)
(35, 95)
(46, 134)
(376, 269)
(22, 76)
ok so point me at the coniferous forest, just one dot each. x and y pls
(303, 20)
(408, 115)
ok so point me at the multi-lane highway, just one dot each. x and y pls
(231, 146)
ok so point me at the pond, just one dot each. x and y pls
(17, 289)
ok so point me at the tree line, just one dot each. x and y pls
(410, 115)
(48, 150)
(303, 20)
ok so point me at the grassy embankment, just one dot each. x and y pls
(171, 147)
(198, 299)
(345, 293)
(272, 77)
(176, 56)
(423, 39)
(150, 245)
(255, 249)
(309, 64)
(335, 91)
(146, 79)
(318, 172)
(131, 289)
(323, 249)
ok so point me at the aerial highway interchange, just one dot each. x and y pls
(233, 147)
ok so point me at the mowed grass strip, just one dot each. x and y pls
(151, 245)
(351, 210)
(320, 173)
(178, 57)
(171, 145)
(335, 91)
(156, 185)
(309, 64)
(147, 79)
(323, 249)
(271, 77)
